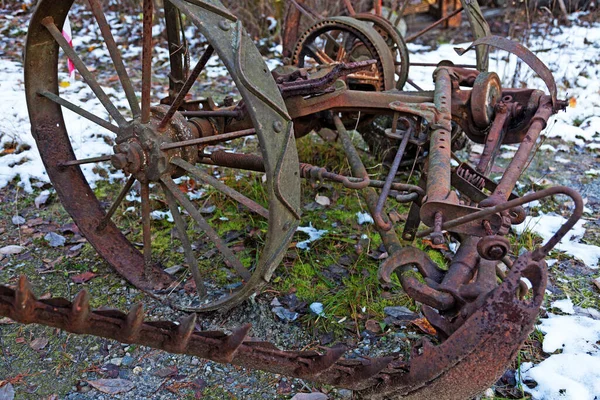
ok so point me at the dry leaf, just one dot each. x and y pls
(373, 326)
(323, 200)
(83, 278)
(596, 282)
(429, 243)
(112, 386)
(38, 343)
(424, 325)
(7, 392)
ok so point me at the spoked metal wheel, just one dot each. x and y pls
(159, 151)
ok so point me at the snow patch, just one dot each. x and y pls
(313, 235)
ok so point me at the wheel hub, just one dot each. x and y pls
(139, 149)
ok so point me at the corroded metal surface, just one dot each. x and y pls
(477, 309)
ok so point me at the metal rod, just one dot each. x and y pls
(424, 64)
(146, 228)
(185, 242)
(390, 180)
(48, 22)
(208, 140)
(186, 88)
(147, 60)
(230, 259)
(430, 27)
(221, 187)
(80, 111)
(352, 155)
(350, 8)
(84, 161)
(214, 114)
(413, 84)
(115, 54)
(117, 203)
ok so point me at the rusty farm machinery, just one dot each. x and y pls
(343, 73)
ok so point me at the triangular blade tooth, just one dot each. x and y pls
(24, 304)
(230, 345)
(133, 323)
(181, 339)
(368, 370)
(80, 311)
(322, 362)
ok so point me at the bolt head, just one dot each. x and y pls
(119, 161)
(496, 252)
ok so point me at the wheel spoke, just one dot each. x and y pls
(221, 187)
(48, 22)
(91, 160)
(115, 54)
(147, 59)
(146, 220)
(230, 259)
(80, 111)
(209, 140)
(185, 241)
(319, 55)
(413, 84)
(186, 87)
(117, 203)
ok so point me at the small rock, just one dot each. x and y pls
(7, 392)
(12, 249)
(127, 361)
(399, 312)
(317, 309)
(174, 269)
(42, 199)
(285, 314)
(55, 240)
(489, 394)
(275, 302)
(310, 396)
(137, 370)
(323, 200)
(195, 361)
(18, 220)
(596, 282)
(117, 361)
(344, 393)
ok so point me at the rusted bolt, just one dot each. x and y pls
(496, 252)
(119, 161)
(277, 126)
(224, 25)
(228, 101)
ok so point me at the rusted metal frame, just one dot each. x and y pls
(221, 187)
(353, 100)
(352, 156)
(48, 23)
(495, 137)
(115, 55)
(146, 224)
(507, 205)
(519, 160)
(223, 12)
(476, 346)
(430, 27)
(208, 140)
(177, 49)
(424, 64)
(191, 79)
(237, 114)
(291, 28)
(230, 259)
(80, 111)
(390, 180)
(113, 208)
(377, 7)
(427, 293)
(526, 56)
(277, 182)
(440, 152)
(255, 163)
(314, 86)
(148, 16)
(185, 242)
(91, 160)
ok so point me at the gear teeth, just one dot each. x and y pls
(133, 323)
(322, 363)
(80, 311)
(232, 343)
(24, 304)
(181, 338)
